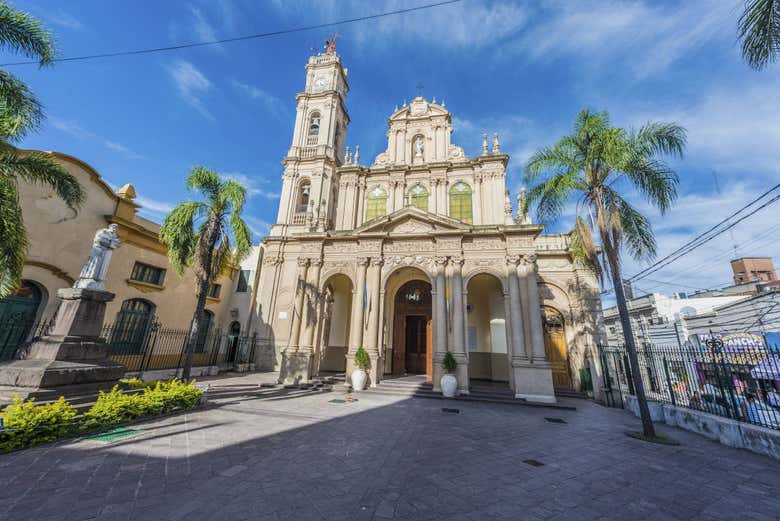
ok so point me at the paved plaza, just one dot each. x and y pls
(273, 454)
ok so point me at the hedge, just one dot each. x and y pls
(27, 423)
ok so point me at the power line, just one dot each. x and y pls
(236, 38)
(706, 236)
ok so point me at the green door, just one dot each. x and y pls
(17, 318)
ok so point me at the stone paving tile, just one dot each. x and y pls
(290, 455)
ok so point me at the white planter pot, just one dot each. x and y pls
(359, 378)
(449, 385)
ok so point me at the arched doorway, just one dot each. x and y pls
(555, 346)
(486, 338)
(412, 329)
(17, 317)
(334, 326)
(234, 339)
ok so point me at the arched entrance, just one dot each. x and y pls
(333, 334)
(17, 317)
(412, 329)
(486, 338)
(555, 347)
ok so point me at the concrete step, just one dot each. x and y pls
(483, 394)
(568, 393)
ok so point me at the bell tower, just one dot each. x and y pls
(309, 183)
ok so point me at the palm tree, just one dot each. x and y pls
(198, 235)
(589, 165)
(759, 30)
(20, 114)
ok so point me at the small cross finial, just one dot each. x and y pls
(495, 143)
(484, 144)
(404, 103)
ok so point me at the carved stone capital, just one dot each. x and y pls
(303, 262)
(528, 260)
(362, 261)
(440, 260)
(457, 261)
(317, 262)
(513, 260)
(377, 261)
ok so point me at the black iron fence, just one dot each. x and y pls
(741, 383)
(146, 345)
(15, 332)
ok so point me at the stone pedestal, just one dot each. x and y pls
(72, 358)
(533, 381)
(295, 368)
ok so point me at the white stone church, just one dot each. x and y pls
(416, 255)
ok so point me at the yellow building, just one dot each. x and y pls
(147, 289)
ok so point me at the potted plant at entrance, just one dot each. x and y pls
(359, 375)
(449, 383)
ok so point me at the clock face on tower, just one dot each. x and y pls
(320, 83)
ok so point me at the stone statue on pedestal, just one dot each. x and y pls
(94, 271)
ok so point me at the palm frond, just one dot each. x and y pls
(759, 31)
(40, 168)
(205, 181)
(654, 179)
(13, 245)
(583, 248)
(242, 237)
(22, 33)
(635, 229)
(661, 138)
(20, 110)
(233, 193)
(178, 233)
(552, 195)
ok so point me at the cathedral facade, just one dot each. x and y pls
(416, 255)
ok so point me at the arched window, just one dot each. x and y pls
(377, 203)
(131, 326)
(460, 202)
(204, 330)
(314, 124)
(418, 196)
(304, 192)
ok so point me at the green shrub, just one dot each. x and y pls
(28, 424)
(449, 364)
(362, 361)
(157, 398)
(136, 383)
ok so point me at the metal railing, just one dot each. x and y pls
(16, 332)
(155, 347)
(741, 383)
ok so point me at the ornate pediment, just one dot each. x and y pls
(411, 220)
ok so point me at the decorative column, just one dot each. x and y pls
(533, 311)
(356, 328)
(358, 217)
(478, 212)
(439, 321)
(292, 371)
(372, 341)
(532, 372)
(300, 292)
(458, 321)
(514, 313)
(310, 309)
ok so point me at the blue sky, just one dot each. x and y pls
(522, 69)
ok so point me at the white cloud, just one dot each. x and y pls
(252, 185)
(63, 19)
(647, 36)
(733, 128)
(271, 103)
(153, 206)
(191, 85)
(259, 227)
(74, 129)
(464, 24)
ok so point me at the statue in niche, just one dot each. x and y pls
(94, 271)
(418, 146)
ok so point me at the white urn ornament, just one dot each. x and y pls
(449, 382)
(359, 375)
